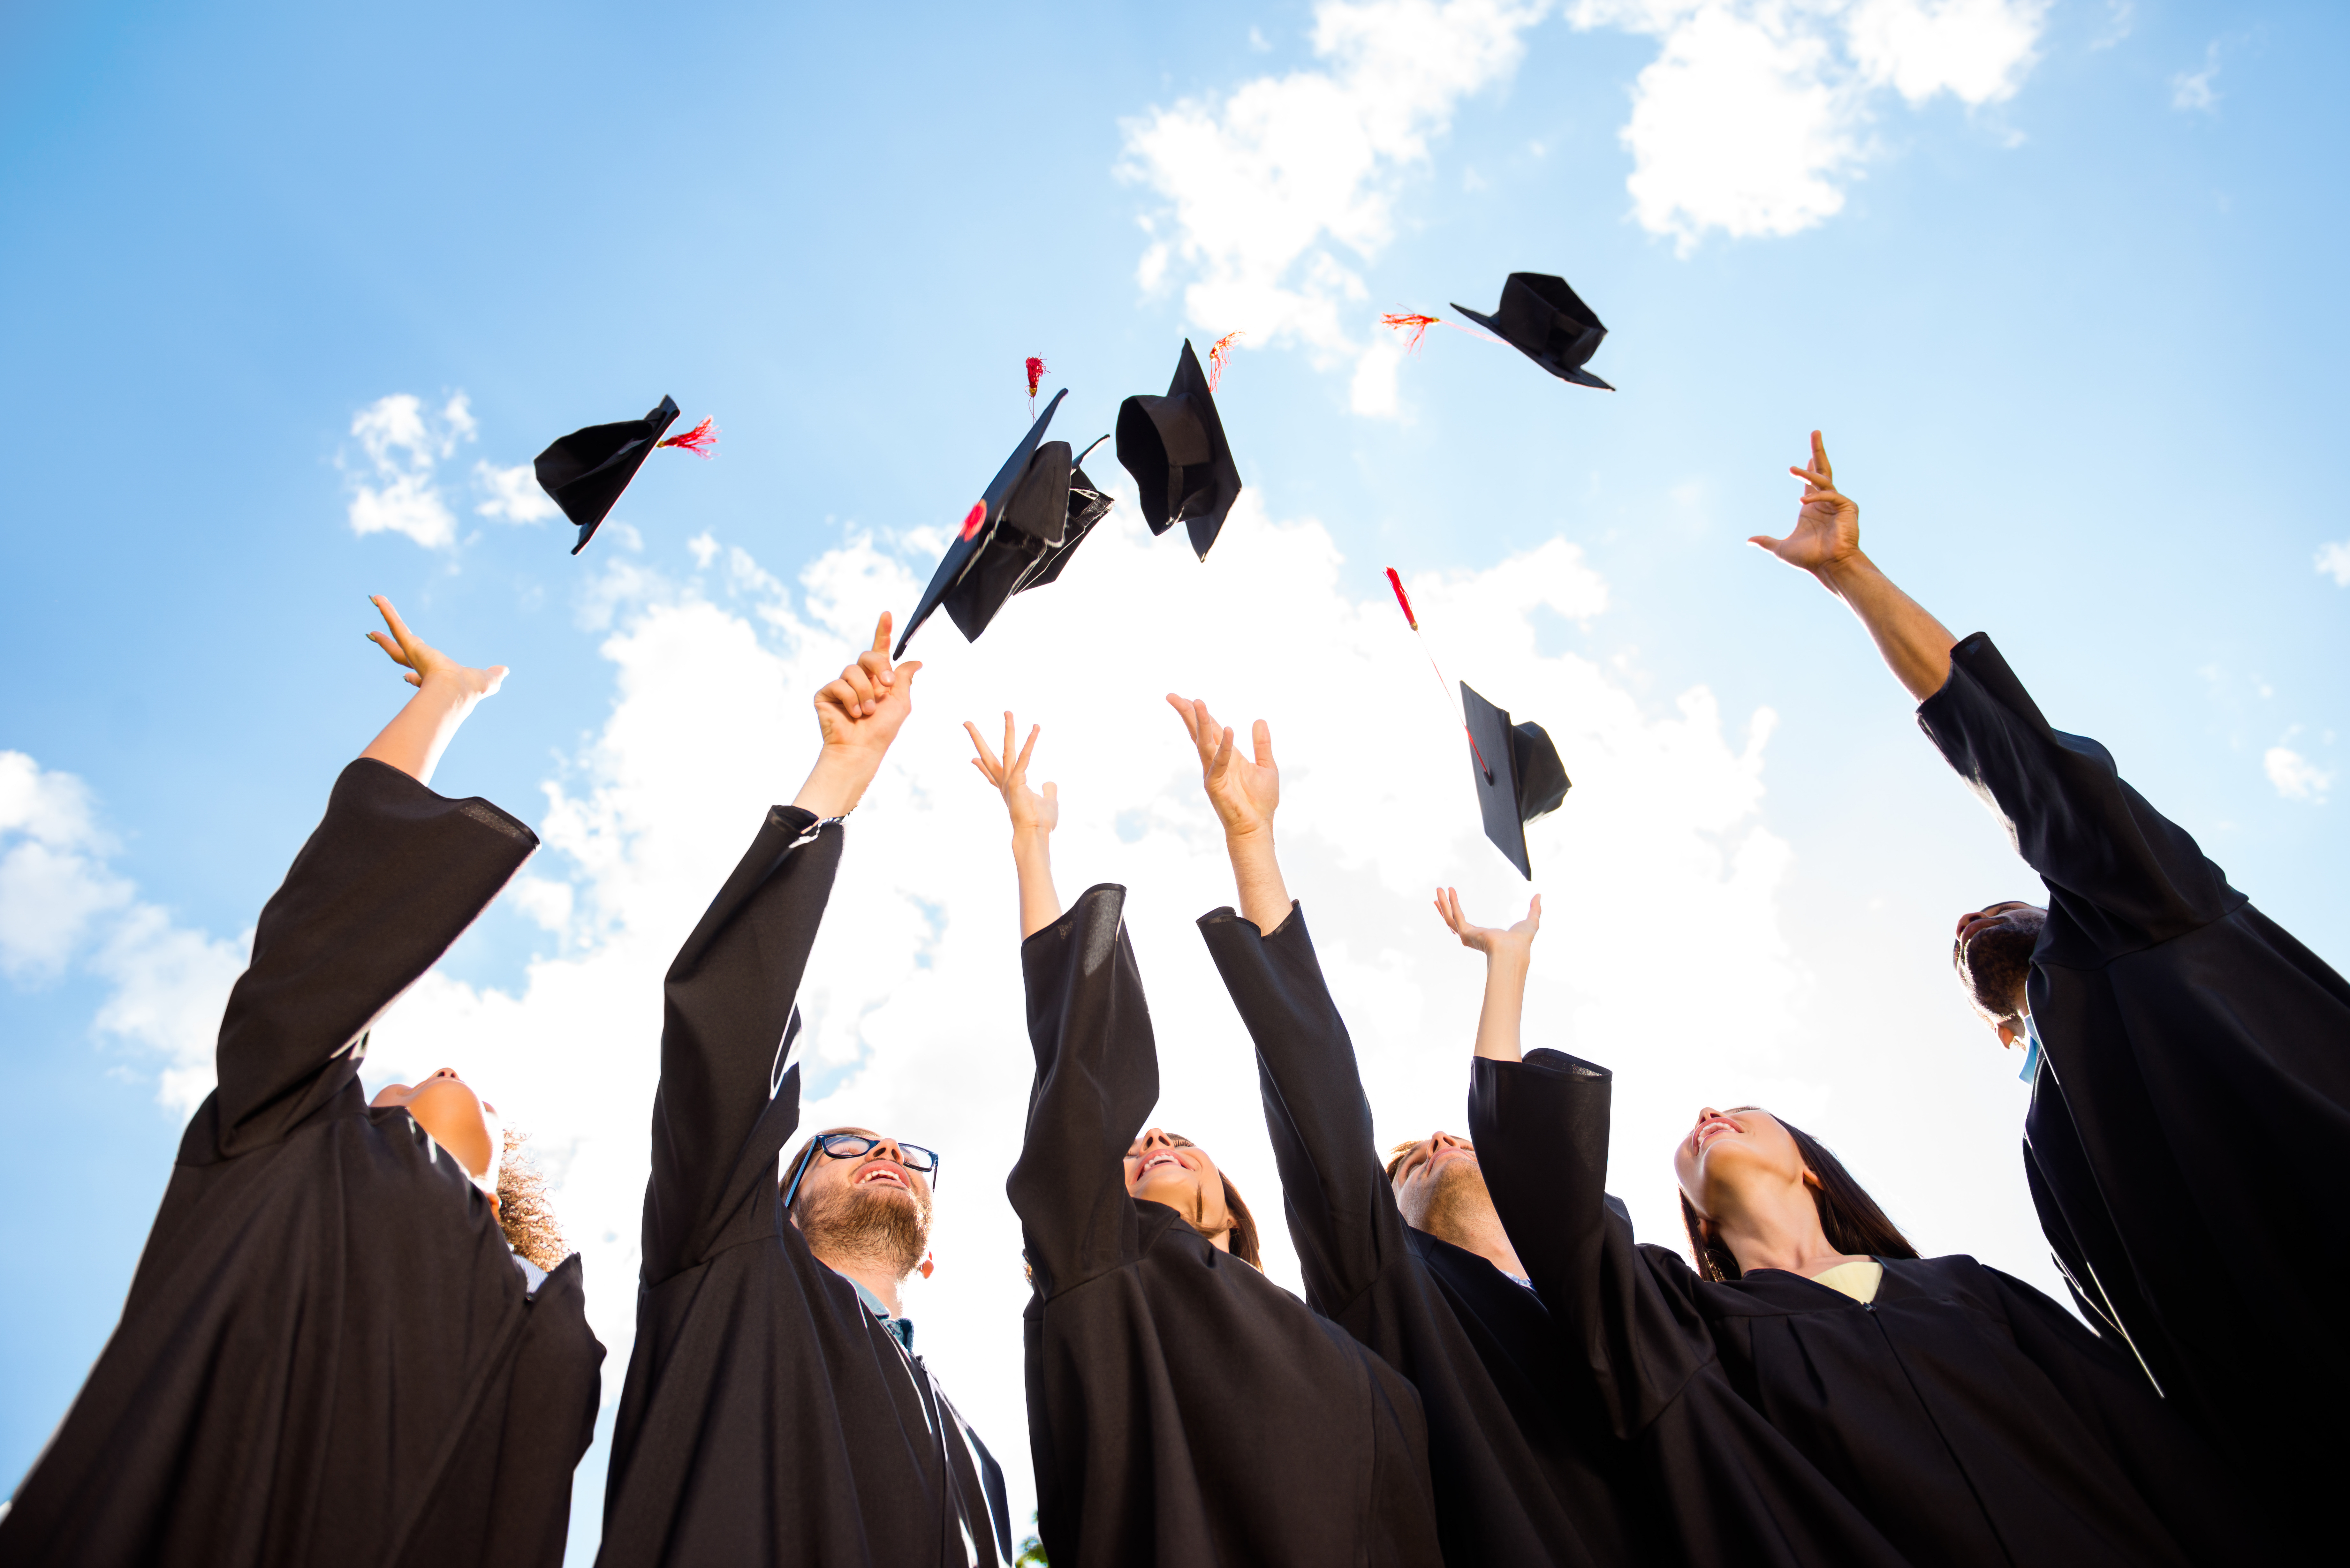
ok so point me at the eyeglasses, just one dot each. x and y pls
(856, 1146)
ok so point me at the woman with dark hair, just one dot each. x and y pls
(1816, 1392)
(353, 1336)
(1182, 1409)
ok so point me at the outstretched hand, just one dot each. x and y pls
(1244, 791)
(859, 715)
(1031, 812)
(424, 662)
(1827, 523)
(1494, 941)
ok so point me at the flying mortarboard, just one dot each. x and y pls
(1519, 775)
(1547, 322)
(1019, 534)
(585, 472)
(1175, 447)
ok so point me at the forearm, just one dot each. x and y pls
(1915, 644)
(1498, 1038)
(836, 782)
(1040, 903)
(421, 731)
(1262, 897)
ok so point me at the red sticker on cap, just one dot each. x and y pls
(978, 515)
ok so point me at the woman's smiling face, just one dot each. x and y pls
(1162, 1168)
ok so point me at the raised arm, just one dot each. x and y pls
(1825, 542)
(390, 878)
(725, 1107)
(1034, 817)
(1509, 956)
(1246, 792)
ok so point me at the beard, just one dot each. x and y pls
(1455, 1204)
(883, 1226)
(1994, 965)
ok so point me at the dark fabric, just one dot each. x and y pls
(329, 1353)
(1959, 1418)
(767, 1415)
(585, 471)
(1524, 1467)
(2194, 1094)
(1182, 1409)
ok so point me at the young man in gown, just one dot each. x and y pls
(2190, 1060)
(1523, 1466)
(774, 1409)
(330, 1352)
(1182, 1409)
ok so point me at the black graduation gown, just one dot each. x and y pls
(768, 1416)
(2192, 1105)
(1182, 1409)
(1524, 1467)
(329, 1353)
(1959, 1418)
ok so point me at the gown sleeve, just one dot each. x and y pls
(1341, 1210)
(1540, 1128)
(2125, 876)
(723, 1111)
(392, 875)
(1096, 1079)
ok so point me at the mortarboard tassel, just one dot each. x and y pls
(1035, 374)
(1442, 685)
(1417, 325)
(697, 440)
(1219, 353)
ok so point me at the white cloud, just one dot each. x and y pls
(1279, 190)
(2295, 777)
(1753, 117)
(60, 902)
(514, 494)
(2191, 91)
(2333, 561)
(403, 443)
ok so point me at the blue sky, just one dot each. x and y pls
(2060, 282)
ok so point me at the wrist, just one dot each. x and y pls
(1839, 576)
(836, 784)
(1029, 838)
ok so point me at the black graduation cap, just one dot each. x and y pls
(1019, 535)
(586, 470)
(1519, 775)
(1547, 322)
(1175, 447)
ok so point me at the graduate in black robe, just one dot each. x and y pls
(1822, 1395)
(1182, 1409)
(1523, 1466)
(330, 1352)
(2191, 1060)
(771, 1414)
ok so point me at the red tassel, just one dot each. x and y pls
(1035, 374)
(1220, 353)
(697, 440)
(978, 515)
(1415, 324)
(1402, 598)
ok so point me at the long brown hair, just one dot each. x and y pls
(1849, 1216)
(1242, 1233)
(523, 1213)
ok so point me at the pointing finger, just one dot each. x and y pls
(881, 634)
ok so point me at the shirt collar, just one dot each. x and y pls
(2030, 1050)
(901, 1329)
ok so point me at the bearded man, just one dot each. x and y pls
(774, 1409)
(2190, 1060)
(1525, 1468)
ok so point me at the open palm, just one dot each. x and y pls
(1245, 791)
(1828, 524)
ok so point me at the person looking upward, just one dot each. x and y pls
(343, 1343)
(775, 1409)
(2189, 1059)
(1182, 1409)
(1409, 1257)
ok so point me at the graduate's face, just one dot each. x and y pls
(1739, 1148)
(879, 1174)
(1991, 950)
(1438, 1183)
(1166, 1168)
(458, 1119)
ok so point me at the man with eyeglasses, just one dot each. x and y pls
(774, 1410)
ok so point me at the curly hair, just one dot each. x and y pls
(524, 1212)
